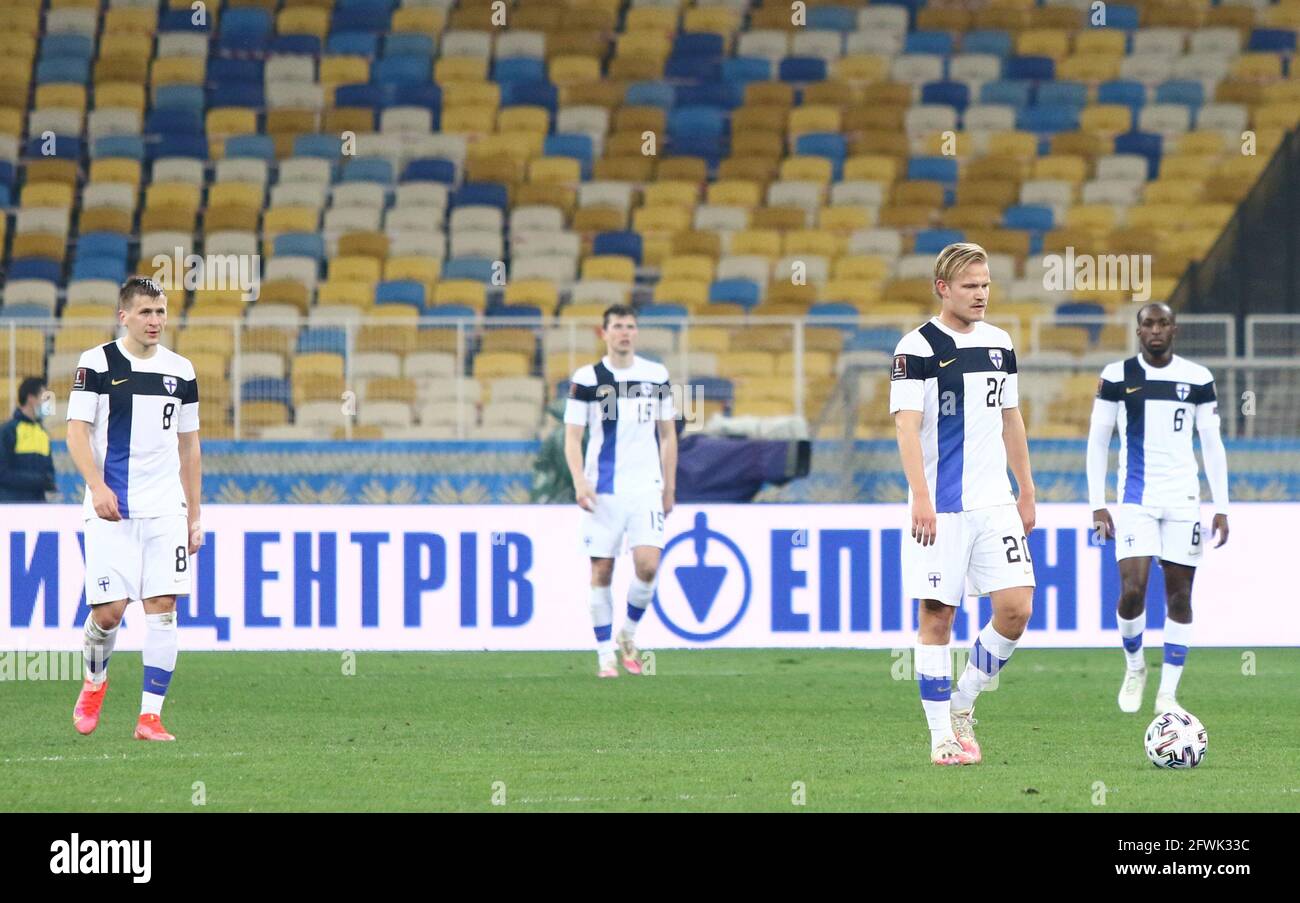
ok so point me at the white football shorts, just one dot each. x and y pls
(137, 558)
(986, 547)
(640, 517)
(1170, 534)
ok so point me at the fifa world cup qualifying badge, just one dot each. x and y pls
(900, 367)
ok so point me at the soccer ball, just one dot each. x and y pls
(1176, 740)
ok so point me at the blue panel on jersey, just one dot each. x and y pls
(952, 419)
(609, 433)
(1135, 430)
(117, 455)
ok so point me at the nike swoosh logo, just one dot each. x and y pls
(118, 382)
(1131, 391)
(946, 363)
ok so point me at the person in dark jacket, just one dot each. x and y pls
(26, 468)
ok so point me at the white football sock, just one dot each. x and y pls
(988, 655)
(1177, 638)
(95, 650)
(639, 595)
(1130, 632)
(602, 619)
(160, 649)
(934, 673)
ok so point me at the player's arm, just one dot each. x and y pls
(1017, 445)
(576, 411)
(913, 363)
(1215, 457)
(191, 460)
(668, 461)
(82, 406)
(192, 483)
(1105, 414)
(1013, 437)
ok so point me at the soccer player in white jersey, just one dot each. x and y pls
(954, 397)
(133, 421)
(627, 482)
(1154, 398)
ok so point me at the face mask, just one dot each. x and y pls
(46, 407)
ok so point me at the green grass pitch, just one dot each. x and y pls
(711, 730)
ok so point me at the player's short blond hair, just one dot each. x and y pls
(955, 258)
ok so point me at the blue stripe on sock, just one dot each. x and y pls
(1175, 654)
(604, 633)
(156, 680)
(1132, 643)
(986, 661)
(634, 613)
(935, 689)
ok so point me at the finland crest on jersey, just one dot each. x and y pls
(961, 383)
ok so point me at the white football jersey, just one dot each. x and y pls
(623, 409)
(136, 408)
(961, 383)
(1155, 409)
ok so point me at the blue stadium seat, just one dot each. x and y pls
(724, 95)
(833, 18)
(935, 42)
(221, 69)
(102, 244)
(994, 41)
(371, 17)
(260, 147)
(477, 268)
(129, 146)
(428, 96)
(570, 145)
(1007, 93)
(697, 45)
(875, 338)
(1273, 40)
(266, 388)
(1126, 91)
(1188, 92)
(487, 193)
(715, 388)
(111, 268)
(1048, 120)
(407, 44)
(625, 244)
(1029, 68)
(76, 46)
(296, 44)
(932, 241)
(173, 122)
(1123, 17)
(735, 291)
(299, 244)
(188, 98)
(518, 69)
(183, 20)
(236, 94)
(650, 94)
(834, 310)
(63, 147)
(430, 169)
(666, 311)
(356, 43)
(450, 312)
(325, 147)
(1034, 217)
(63, 69)
(367, 169)
(400, 291)
(193, 146)
(802, 69)
(950, 94)
(696, 120)
(332, 339)
(530, 94)
(933, 169)
(745, 69)
(244, 28)
(24, 311)
(1145, 144)
(360, 95)
(1063, 94)
(402, 69)
(830, 145)
(710, 147)
(698, 69)
(34, 268)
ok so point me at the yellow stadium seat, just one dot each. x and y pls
(1110, 118)
(1065, 169)
(303, 20)
(365, 245)
(843, 219)
(1172, 190)
(652, 19)
(718, 20)
(868, 268)
(212, 339)
(813, 242)
(178, 70)
(181, 195)
(803, 120)
(571, 70)
(125, 20)
(671, 194)
(735, 193)
(763, 242)
(857, 292)
(611, 267)
(1092, 67)
(465, 292)
(540, 293)
(418, 20)
(523, 119)
(691, 293)
(557, 170)
(693, 267)
(871, 168)
(47, 194)
(1257, 66)
(338, 69)
(1096, 217)
(1049, 42)
(289, 219)
(488, 365)
(661, 219)
(745, 363)
(807, 169)
(348, 293)
(460, 70)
